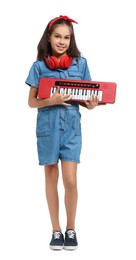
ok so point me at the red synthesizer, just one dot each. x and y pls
(80, 90)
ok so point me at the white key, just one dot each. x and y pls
(80, 94)
(76, 93)
(100, 95)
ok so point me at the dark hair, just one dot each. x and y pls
(44, 46)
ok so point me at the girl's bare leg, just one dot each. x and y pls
(69, 174)
(51, 181)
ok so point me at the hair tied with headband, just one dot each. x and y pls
(61, 17)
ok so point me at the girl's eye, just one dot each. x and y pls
(67, 37)
(57, 36)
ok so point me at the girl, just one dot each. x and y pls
(58, 127)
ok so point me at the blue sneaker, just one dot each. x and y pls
(57, 241)
(70, 240)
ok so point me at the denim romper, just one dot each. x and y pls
(58, 127)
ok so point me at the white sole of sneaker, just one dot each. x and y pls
(70, 247)
(56, 247)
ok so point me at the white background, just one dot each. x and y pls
(106, 214)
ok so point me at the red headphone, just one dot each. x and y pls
(54, 63)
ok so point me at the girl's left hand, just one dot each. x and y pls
(93, 102)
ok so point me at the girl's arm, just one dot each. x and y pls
(56, 99)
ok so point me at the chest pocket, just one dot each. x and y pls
(75, 75)
(50, 75)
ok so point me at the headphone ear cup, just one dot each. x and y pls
(65, 62)
(52, 62)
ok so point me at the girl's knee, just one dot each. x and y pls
(52, 172)
(70, 184)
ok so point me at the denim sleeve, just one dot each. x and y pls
(87, 75)
(33, 76)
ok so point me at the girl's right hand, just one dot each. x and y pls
(60, 98)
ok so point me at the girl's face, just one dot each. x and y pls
(60, 40)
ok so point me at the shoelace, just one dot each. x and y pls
(56, 235)
(71, 234)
